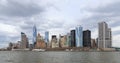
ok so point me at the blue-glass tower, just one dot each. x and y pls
(46, 36)
(79, 36)
(34, 34)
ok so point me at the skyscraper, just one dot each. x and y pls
(68, 40)
(110, 37)
(104, 35)
(40, 42)
(47, 38)
(93, 43)
(54, 43)
(79, 36)
(87, 38)
(34, 35)
(63, 41)
(73, 44)
(24, 41)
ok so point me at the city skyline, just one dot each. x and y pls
(57, 17)
(78, 38)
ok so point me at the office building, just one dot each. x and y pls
(73, 40)
(93, 43)
(54, 43)
(40, 42)
(87, 38)
(79, 36)
(34, 35)
(63, 41)
(47, 38)
(104, 35)
(24, 41)
(68, 40)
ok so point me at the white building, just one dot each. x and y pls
(104, 35)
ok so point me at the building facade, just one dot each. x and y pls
(68, 40)
(40, 42)
(63, 41)
(93, 43)
(87, 38)
(24, 41)
(34, 35)
(54, 42)
(104, 35)
(73, 40)
(79, 36)
(47, 38)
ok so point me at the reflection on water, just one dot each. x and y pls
(59, 57)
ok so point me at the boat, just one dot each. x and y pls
(39, 50)
(20, 49)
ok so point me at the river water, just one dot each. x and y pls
(58, 57)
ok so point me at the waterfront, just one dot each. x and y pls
(58, 57)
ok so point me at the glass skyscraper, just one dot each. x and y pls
(68, 40)
(79, 36)
(46, 36)
(34, 34)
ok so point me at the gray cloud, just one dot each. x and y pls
(109, 13)
(15, 8)
(106, 13)
(111, 8)
(23, 15)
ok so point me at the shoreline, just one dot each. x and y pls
(66, 50)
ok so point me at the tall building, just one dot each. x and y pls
(24, 41)
(68, 40)
(97, 42)
(73, 44)
(54, 43)
(87, 38)
(10, 45)
(79, 36)
(34, 35)
(47, 38)
(63, 41)
(93, 43)
(40, 42)
(104, 35)
(110, 37)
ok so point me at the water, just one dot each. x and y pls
(59, 57)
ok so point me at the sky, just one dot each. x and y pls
(57, 17)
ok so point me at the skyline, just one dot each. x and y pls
(57, 17)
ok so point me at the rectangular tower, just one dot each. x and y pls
(87, 38)
(47, 38)
(24, 41)
(79, 36)
(34, 35)
(73, 44)
(104, 34)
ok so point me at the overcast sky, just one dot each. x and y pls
(57, 17)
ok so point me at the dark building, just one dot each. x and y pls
(73, 38)
(54, 36)
(87, 38)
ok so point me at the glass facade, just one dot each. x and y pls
(46, 36)
(34, 34)
(73, 38)
(79, 36)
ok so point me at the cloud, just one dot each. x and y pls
(108, 13)
(15, 8)
(56, 16)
